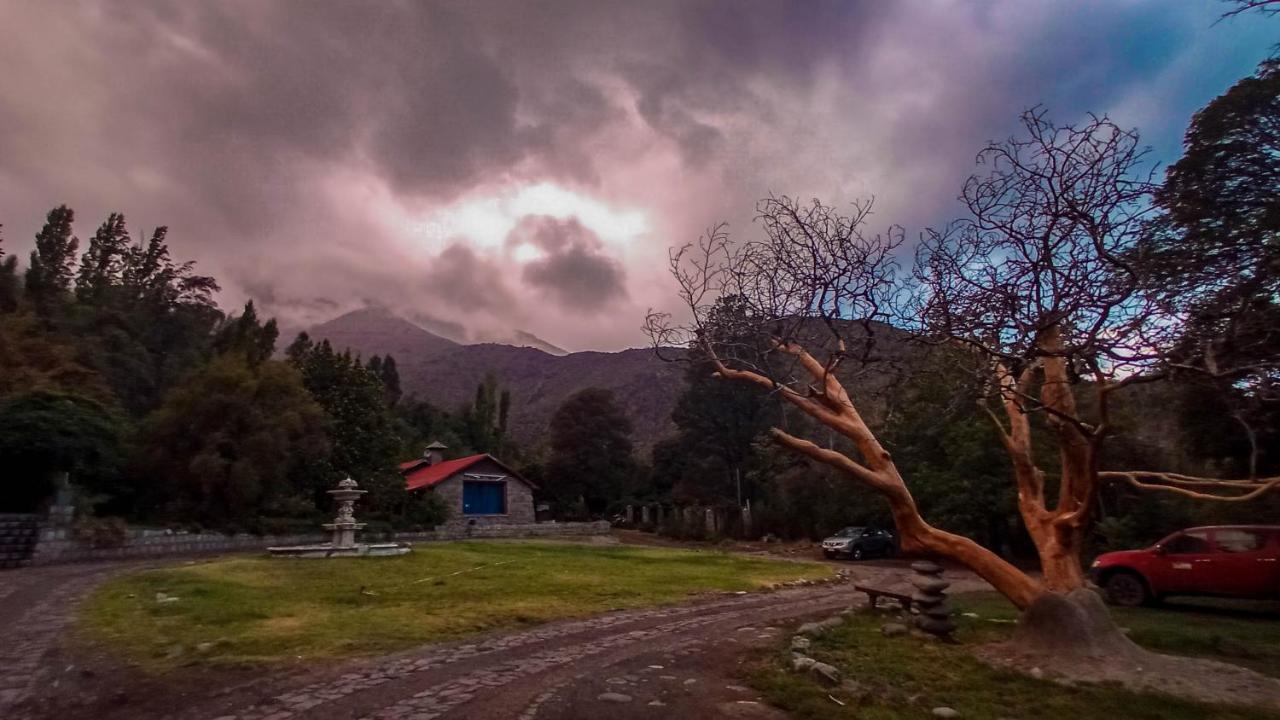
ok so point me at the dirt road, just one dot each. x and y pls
(655, 663)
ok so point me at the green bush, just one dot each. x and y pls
(107, 532)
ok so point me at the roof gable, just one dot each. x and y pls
(417, 474)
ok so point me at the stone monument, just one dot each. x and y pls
(344, 528)
(931, 600)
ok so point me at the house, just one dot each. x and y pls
(478, 489)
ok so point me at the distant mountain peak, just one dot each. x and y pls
(539, 374)
(521, 338)
(376, 330)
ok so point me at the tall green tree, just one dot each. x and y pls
(102, 265)
(484, 423)
(719, 423)
(390, 375)
(8, 279)
(953, 455)
(247, 335)
(385, 369)
(47, 431)
(362, 431)
(155, 330)
(591, 459)
(224, 445)
(32, 358)
(49, 275)
(1214, 255)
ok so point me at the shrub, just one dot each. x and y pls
(109, 532)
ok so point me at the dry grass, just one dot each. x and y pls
(259, 610)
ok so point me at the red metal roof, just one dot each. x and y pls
(428, 475)
(417, 474)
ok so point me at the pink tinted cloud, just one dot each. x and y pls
(291, 145)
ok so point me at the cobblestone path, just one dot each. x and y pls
(652, 663)
(37, 607)
(515, 675)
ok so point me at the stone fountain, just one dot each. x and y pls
(344, 528)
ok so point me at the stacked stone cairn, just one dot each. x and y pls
(931, 600)
(800, 644)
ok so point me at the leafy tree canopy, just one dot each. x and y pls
(591, 452)
(223, 444)
(45, 431)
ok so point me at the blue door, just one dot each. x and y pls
(484, 498)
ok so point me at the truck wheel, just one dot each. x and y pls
(857, 553)
(1126, 589)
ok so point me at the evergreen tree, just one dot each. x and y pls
(718, 423)
(102, 265)
(155, 330)
(385, 370)
(49, 275)
(246, 335)
(299, 349)
(362, 432)
(8, 279)
(591, 458)
(484, 423)
(391, 380)
(154, 280)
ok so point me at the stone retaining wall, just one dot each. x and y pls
(56, 546)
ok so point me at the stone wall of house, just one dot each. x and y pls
(532, 530)
(520, 509)
(56, 546)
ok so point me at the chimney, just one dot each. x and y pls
(434, 454)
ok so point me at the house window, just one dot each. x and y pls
(484, 497)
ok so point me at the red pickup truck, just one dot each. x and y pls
(1240, 561)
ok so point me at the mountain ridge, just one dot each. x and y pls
(445, 372)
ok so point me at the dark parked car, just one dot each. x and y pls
(1238, 561)
(860, 542)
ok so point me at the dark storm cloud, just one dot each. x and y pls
(574, 271)
(461, 279)
(284, 141)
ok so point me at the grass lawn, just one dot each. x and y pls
(257, 609)
(896, 669)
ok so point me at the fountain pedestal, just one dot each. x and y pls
(344, 528)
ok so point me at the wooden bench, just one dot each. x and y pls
(874, 595)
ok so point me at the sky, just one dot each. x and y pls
(525, 165)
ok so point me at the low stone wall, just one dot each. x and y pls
(56, 546)
(547, 529)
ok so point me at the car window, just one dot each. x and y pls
(1238, 541)
(1189, 543)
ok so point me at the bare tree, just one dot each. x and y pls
(1265, 7)
(1039, 291)
(1043, 287)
